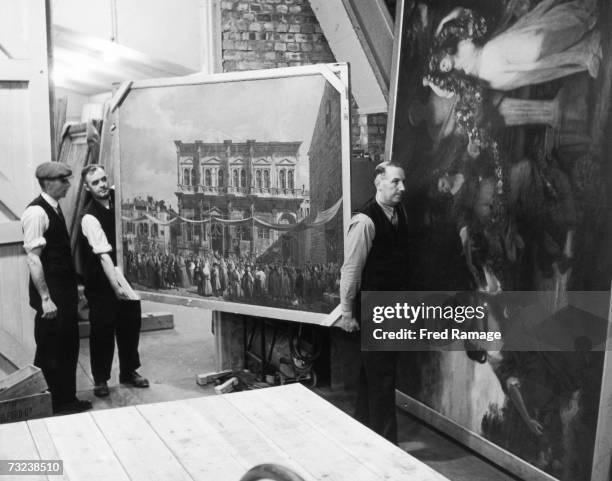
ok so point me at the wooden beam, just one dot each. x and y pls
(120, 95)
(374, 27)
(11, 232)
(486, 448)
(367, 84)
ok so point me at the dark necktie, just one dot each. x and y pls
(60, 214)
(394, 217)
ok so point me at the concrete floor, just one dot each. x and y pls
(171, 359)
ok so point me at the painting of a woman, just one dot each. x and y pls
(504, 205)
(554, 40)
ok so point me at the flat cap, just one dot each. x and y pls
(52, 170)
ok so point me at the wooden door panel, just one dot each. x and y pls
(25, 141)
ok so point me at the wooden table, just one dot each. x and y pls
(212, 438)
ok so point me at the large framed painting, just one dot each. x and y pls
(500, 116)
(233, 189)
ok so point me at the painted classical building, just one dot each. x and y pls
(234, 181)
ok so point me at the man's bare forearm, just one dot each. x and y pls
(38, 274)
(109, 270)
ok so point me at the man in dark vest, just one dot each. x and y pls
(376, 260)
(53, 288)
(111, 312)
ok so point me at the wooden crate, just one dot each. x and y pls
(27, 380)
(28, 407)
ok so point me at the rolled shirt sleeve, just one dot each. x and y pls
(96, 237)
(35, 223)
(358, 244)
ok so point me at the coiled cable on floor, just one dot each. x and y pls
(303, 358)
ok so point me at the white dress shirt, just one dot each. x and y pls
(359, 240)
(35, 223)
(92, 230)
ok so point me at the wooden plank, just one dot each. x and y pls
(199, 78)
(45, 445)
(139, 449)
(199, 447)
(244, 442)
(25, 139)
(11, 232)
(27, 380)
(120, 95)
(211, 37)
(115, 173)
(398, 47)
(602, 452)
(471, 440)
(60, 106)
(38, 83)
(238, 308)
(346, 166)
(156, 321)
(21, 446)
(205, 378)
(85, 452)
(374, 27)
(26, 407)
(16, 316)
(17, 183)
(369, 87)
(152, 321)
(333, 317)
(374, 451)
(300, 441)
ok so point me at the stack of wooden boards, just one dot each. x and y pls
(214, 438)
(23, 395)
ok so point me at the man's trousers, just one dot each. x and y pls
(376, 393)
(111, 318)
(57, 345)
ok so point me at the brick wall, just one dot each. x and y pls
(271, 33)
(372, 132)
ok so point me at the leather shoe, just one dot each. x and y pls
(101, 389)
(73, 407)
(134, 379)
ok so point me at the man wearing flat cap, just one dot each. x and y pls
(53, 288)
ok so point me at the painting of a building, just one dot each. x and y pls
(144, 226)
(233, 181)
(243, 188)
(325, 243)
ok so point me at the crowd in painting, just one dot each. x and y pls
(243, 278)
